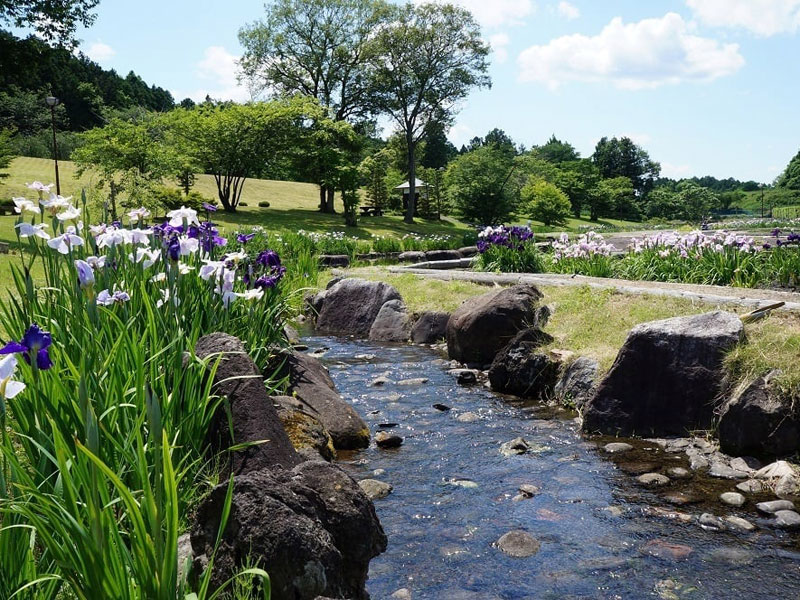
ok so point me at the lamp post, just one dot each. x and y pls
(52, 102)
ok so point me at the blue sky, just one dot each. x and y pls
(706, 86)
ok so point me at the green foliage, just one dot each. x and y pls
(433, 202)
(695, 201)
(53, 21)
(786, 212)
(478, 186)
(349, 183)
(577, 179)
(525, 259)
(6, 152)
(171, 198)
(557, 152)
(386, 244)
(374, 170)
(545, 202)
(663, 203)
(622, 158)
(790, 178)
(621, 196)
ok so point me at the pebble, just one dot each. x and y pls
(774, 506)
(415, 381)
(384, 439)
(441, 407)
(387, 425)
(751, 486)
(519, 544)
(748, 464)
(528, 490)
(741, 523)
(379, 381)
(697, 462)
(732, 498)
(653, 479)
(787, 519)
(518, 445)
(680, 498)
(401, 594)
(711, 522)
(374, 489)
(617, 447)
(468, 417)
(364, 357)
(464, 483)
(378, 472)
(679, 473)
(666, 550)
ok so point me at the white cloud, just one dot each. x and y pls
(675, 171)
(494, 13)
(100, 52)
(459, 134)
(762, 17)
(218, 67)
(568, 11)
(645, 54)
(499, 43)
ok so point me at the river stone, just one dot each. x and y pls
(748, 464)
(518, 369)
(374, 489)
(465, 376)
(712, 522)
(577, 383)
(788, 486)
(774, 506)
(412, 256)
(307, 434)
(617, 447)
(413, 381)
(384, 439)
(665, 378)
(430, 327)
(516, 446)
(290, 334)
(653, 479)
(678, 473)
(392, 324)
(760, 420)
(436, 255)
(312, 524)
(637, 467)
(696, 460)
(751, 486)
(483, 325)
(679, 498)
(309, 380)
(740, 523)
(401, 594)
(253, 418)
(352, 305)
(723, 471)
(379, 381)
(732, 498)
(775, 470)
(468, 251)
(787, 519)
(528, 490)
(334, 260)
(666, 550)
(468, 417)
(519, 544)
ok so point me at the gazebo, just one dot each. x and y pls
(405, 188)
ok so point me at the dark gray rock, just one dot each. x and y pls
(468, 251)
(313, 303)
(483, 325)
(351, 306)
(334, 260)
(375, 489)
(519, 544)
(307, 434)
(577, 383)
(430, 328)
(666, 378)
(392, 324)
(412, 256)
(465, 376)
(309, 380)
(384, 439)
(312, 527)
(518, 369)
(760, 421)
(435, 255)
(291, 335)
(253, 417)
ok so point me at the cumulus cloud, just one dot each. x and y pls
(568, 11)
(100, 52)
(499, 43)
(460, 134)
(217, 69)
(494, 13)
(674, 171)
(762, 17)
(645, 54)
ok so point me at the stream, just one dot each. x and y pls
(602, 534)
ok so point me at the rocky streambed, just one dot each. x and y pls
(637, 521)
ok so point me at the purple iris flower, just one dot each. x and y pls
(34, 343)
(266, 281)
(174, 249)
(243, 238)
(209, 207)
(269, 258)
(775, 232)
(766, 246)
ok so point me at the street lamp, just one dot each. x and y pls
(52, 102)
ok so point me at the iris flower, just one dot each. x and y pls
(9, 387)
(28, 230)
(85, 273)
(34, 343)
(138, 214)
(209, 207)
(56, 203)
(21, 205)
(96, 262)
(70, 214)
(39, 187)
(107, 299)
(243, 238)
(181, 216)
(64, 242)
(147, 257)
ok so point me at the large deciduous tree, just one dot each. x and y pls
(480, 186)
(54, 20)
(620, 157)
(790, 178)
(318, 48)
(428, 59)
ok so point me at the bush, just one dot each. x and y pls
(172, 199)
(263, 204)
(545, 202)
(385, 245)
(786, 212)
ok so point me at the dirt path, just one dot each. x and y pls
(752, 298)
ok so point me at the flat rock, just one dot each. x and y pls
(740, 523)
(468, 417)
(680, 498)
(519, 544)
(666, 550)
(653, 479)
(788, 486)
(751, 486)
(679, 473)
(723, 471)
(401, 594)
(773, 506)
(711, 522)
(775, 470)
(413, 381)
(787, 519)
(617, 447)
(518, 445)
(748, 464)
(375, 489)
(732, 498)
(384, 439)
(441, 407)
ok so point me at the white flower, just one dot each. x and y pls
(228, 297)
(70, 214)
(184, 269)
(56, 203)
(28, 230)
(138, 236)
(98, 229)
(9, 387)
(235, 257)
(96, 262)
(188, 245)
(22, 205)
(64, 242)
(254, 294)
(110, 237)
(211, 269)
(147, 257)
(138, 214)
(107, 299)
(165, 296)
(159, 277)
(179, 215)
(39, 187)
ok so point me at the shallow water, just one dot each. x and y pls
(592, 520)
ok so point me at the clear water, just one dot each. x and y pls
(441, 535)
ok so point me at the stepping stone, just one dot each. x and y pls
(519, 544)
(679, 473)
(751, 486)
(732, 498)
(416, 381)
(617, 447)
(740, 523)
(787, 519)
(774, 506)
(653, 479)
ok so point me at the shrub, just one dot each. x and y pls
(172, 199)
(545, 202)
(263, 204)
(386, 245)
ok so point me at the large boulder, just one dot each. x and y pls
(253, 417)
(760, 421)
(412, 256)
(301, 422)
(309, 380)
(351, 306)
(666, 378)
(518, 369)
(430, 327)
(312, 528)
(392, 324)
(577, 382)
(483, 325)
(436, 255)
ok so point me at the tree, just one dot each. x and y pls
(696, 201)
(663, 203)
(479, 186)
(622, 158)
(790, 178)
(318, 48)
(435, 204)
(545, 202)
(374, 170)
(726, 200)
(438, 150)
(349, 184)
(557, 152)
(576, 179)
(129, 156)
(53, 20)
(6, 152)
(429, 57)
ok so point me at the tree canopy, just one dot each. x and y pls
(53, 20)
(620, 157)
(790, 178)
(479, 185)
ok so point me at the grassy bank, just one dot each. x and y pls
(596, 322)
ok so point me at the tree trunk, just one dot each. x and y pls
(322, 199)
(330, 208)
(412, 175)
